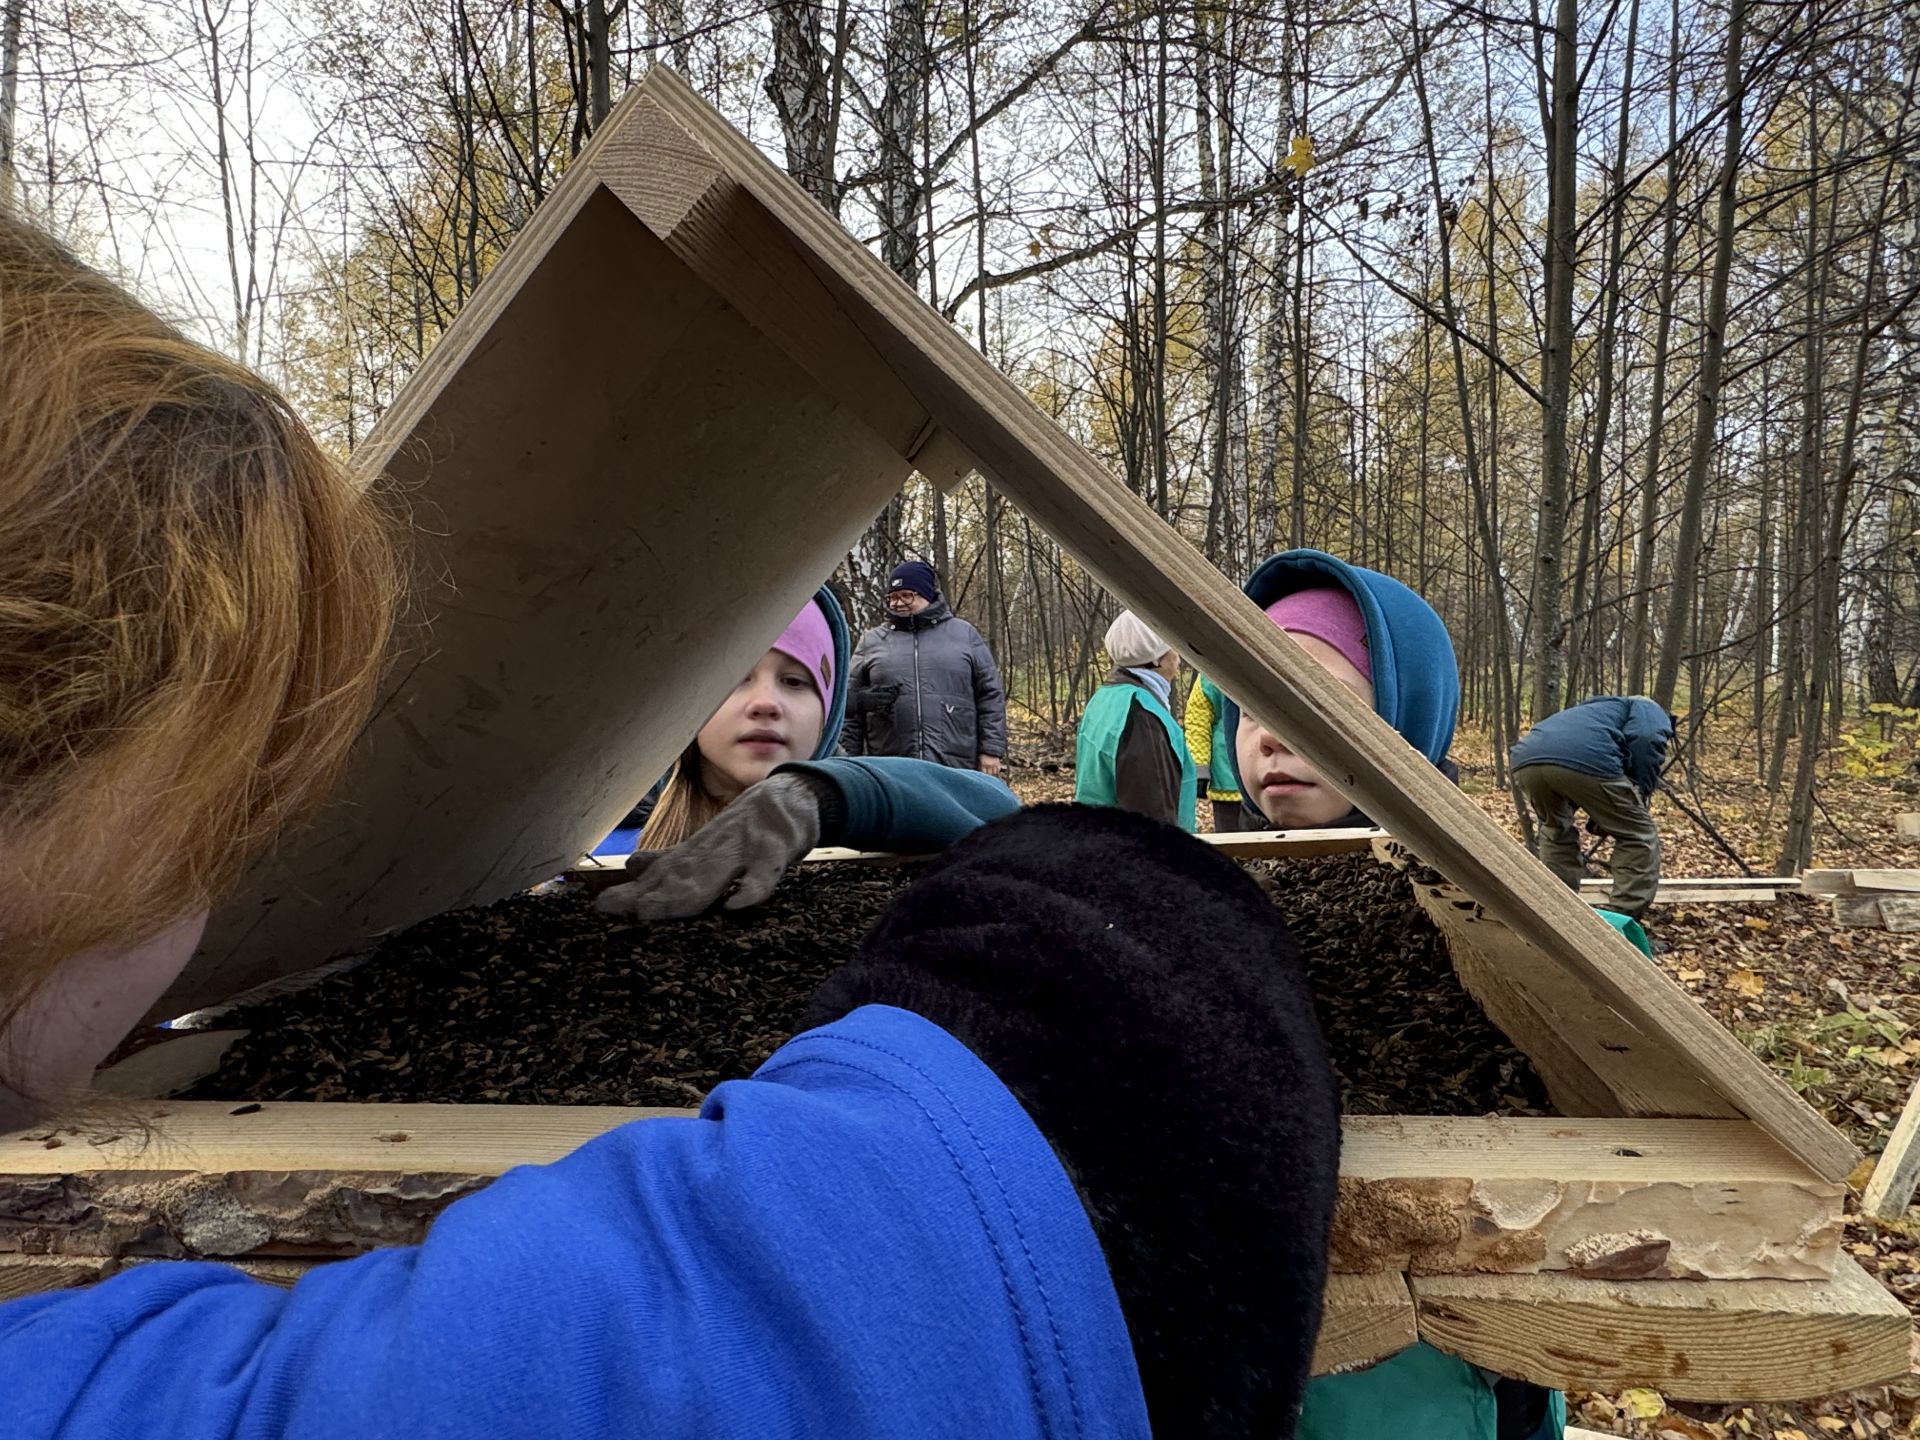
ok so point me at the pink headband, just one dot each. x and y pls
(1327, 614)
(809, 639)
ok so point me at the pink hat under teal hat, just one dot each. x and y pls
(1327, 613)
(809, 639)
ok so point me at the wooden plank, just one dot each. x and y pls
(1364, 1318)
(1431, 1194)
(1705, 882)
(36, 1274)
(1292, 844)
(1896, 1174)
(1904, 882)
(210, 1178)
(1908, 825)
(1692, 1340)
(1616, 1199)
(1687, 895)
(1827, 882)
(549, 442)
(1244, 844)
(1859, 911)
(1593, 1057)
(1900, 913)
(1143, 560)
(1682, 895)
(1704, 890)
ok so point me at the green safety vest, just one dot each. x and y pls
(1419, 1392)
(1094, 751)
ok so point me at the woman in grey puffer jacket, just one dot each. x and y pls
(924, 684)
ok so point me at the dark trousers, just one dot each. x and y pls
(1615, 808)
(1229, 816)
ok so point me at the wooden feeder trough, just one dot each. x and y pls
(685, 365)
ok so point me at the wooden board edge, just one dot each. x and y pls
(1707, 1340)
(1363, 1320)
(1897, 1172)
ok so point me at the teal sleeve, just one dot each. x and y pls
(909, 806)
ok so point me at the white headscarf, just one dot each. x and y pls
(1131, 642)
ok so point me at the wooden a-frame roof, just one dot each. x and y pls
(661, 421)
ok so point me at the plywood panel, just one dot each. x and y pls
(1595, 1060)
(630, 493)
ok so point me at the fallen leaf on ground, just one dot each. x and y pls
(1642, 1402)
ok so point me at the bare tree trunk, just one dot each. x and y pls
(599, 61)
(1686, 559)
(1505, 703)
(1796, 847)
(1157, 162)
(9, 96)
(1643, 574)
(1297, 508)
(1556, 362)
(1765, 562)
(1609, 324)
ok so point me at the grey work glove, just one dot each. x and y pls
(739, 857)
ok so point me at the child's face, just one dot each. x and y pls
(1287, 790)
(774, 716)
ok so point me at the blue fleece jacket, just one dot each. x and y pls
(868, 1238)
(1607, 736)
(894, 804)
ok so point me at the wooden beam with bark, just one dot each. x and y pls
(1430, 1195)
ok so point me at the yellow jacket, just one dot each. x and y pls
(1205, 717)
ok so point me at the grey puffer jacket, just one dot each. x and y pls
(925, 686)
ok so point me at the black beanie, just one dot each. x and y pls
(917, 576)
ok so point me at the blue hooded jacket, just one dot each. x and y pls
(869, 1238)
(902, 805)
(1416, 679)
(1606, 736)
